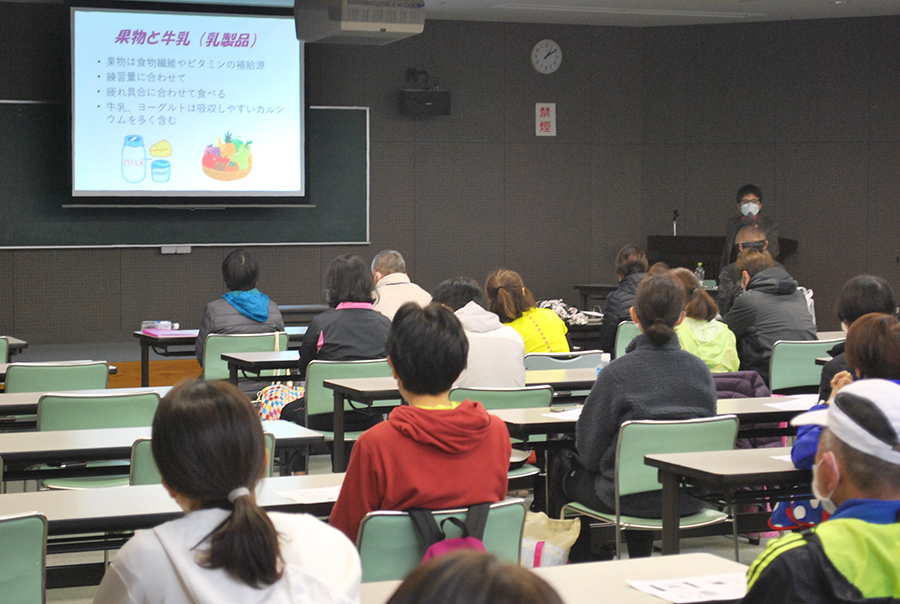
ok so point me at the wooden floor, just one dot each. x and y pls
(162, 373)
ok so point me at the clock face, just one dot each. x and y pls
(546, 56)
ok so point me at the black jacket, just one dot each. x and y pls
(833, 367)
(349, 334)
(735, 224)
(771, 309)
(616, 310)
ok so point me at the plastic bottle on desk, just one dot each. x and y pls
(700, 272)
(604, 361)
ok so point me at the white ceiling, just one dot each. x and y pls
(629, 13)
(644, 13)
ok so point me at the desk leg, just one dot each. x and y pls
(145, 363)
(670, 519)
(339, 463)
(233, 374)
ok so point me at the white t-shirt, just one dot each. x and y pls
(321, 566)
(395, 290)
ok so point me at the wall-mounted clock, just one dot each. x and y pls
(546, 56)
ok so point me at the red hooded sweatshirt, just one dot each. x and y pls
(426, 458)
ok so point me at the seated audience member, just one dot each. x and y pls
(851, 557)
(730, 287)
(351, 331)
(655, 380)
(631, 264)
(541, 329)
(432, 453)
(860, 296)
(473, 577)
(749, 199)
(393, 288)
(496, 351)
(770, 309)
(872, 351)
(700, 333)
(242, 309)
(208, 445)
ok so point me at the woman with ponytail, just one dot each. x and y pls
(655, 380)
(541, 329)
(208, 445)
(700, 333)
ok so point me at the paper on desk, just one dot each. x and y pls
(568, 415)
(800, 402)
(782, 457)
(320, 495)
(731, 586)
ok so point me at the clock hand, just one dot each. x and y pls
(550, 53)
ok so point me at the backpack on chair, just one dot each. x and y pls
(436, 541)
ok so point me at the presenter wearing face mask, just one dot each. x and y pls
(750, 204)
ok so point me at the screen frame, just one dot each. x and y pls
(190, 200)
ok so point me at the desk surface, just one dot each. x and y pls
(724, 469)
(749, 410)
(189, 336)
(584, 583)
(128, 508)
(25, 403)
(115, 443)
(263, 360)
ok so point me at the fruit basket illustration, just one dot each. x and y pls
(229, 160)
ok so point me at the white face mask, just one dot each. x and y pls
(749, 209)
(827, 503)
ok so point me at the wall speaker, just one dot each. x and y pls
(419, 103)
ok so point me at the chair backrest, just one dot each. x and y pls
(626, 332)
(506, 398)
(47, 377)
(144, 470)
(214, 368)
(708, 284)
(4, 349)
(793, 364)
(82, 412)
(539, 361)
(23, 558)
(644, 437)
(320, 399)
(391, 547)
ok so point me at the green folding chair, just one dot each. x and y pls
(320, 400)
(514, 398)
(390, 546)
(4, 349)
(646, 437)
(62, 411)
(585, 359)
(144, 470)
(793, 368)
(48, 377)
(23, 558)
(217, 344)
(625, 333)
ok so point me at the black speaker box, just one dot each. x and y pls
(424, 102)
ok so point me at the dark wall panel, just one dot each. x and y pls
(884, 123)
(823, 188)
(665, 77)
(547, 213)
(883, 217)
(730, 78)
(616, 207)
(663, 188)
(459, 228)
(617, 85)
(823, 80)
(7, 298)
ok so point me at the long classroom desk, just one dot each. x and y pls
(602, 581)
(25, 403)
(523, 423)
(19, 450)
(180, 343)
(80, 514)
(725, 473)
(16, 345)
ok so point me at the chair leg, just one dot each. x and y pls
(618, 541)
(734, 533)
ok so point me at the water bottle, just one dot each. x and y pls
(604, 361)
(700, 272)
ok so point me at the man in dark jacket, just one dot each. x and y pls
(749, 200)
(771, 309)
(631, 264)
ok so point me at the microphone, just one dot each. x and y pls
(675, 223)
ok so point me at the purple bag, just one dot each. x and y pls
(436, 542)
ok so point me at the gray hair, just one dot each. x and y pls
(388, 262)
